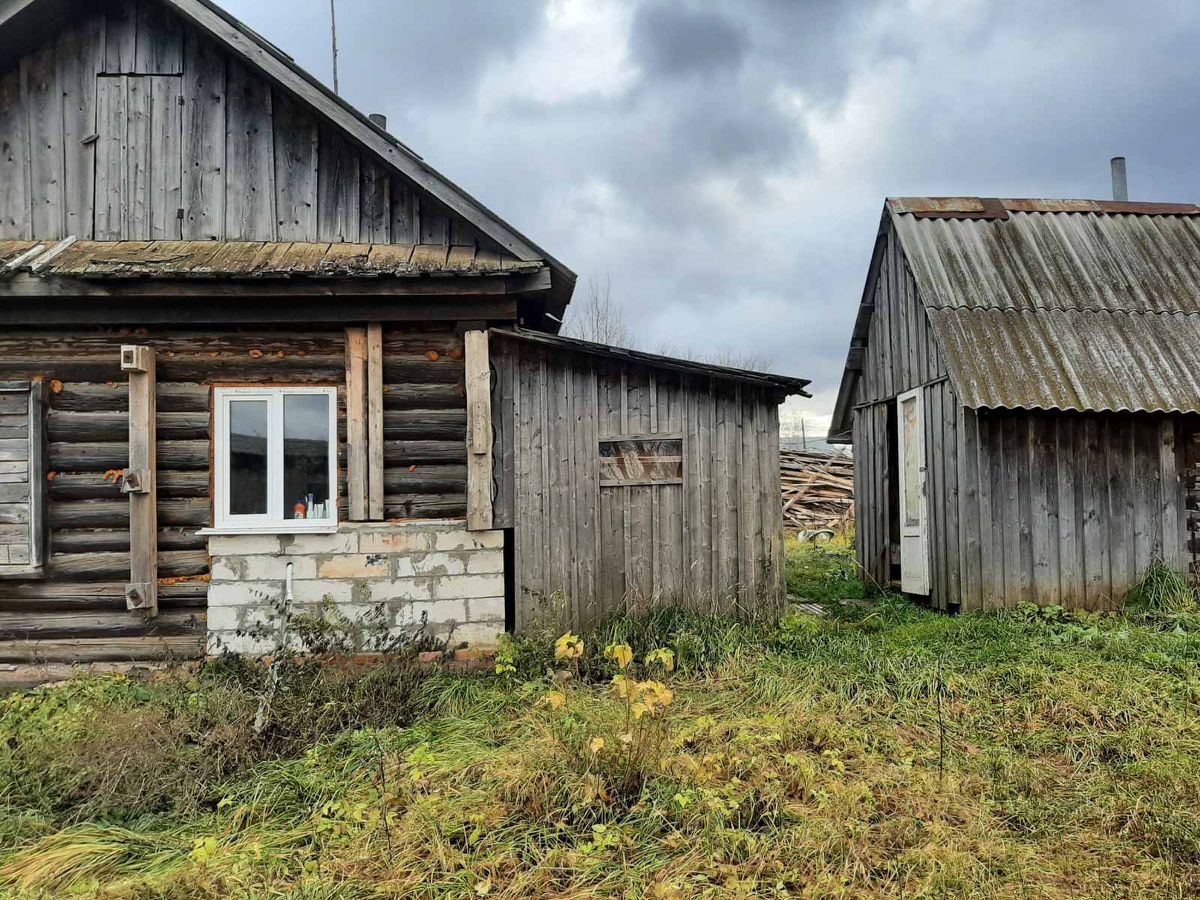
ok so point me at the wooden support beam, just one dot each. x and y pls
(37, 471)
(479, 431)
(139, 481)
(375, 422)
(356, 423)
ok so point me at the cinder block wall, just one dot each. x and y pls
(436, 572)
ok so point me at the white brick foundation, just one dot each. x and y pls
(435, 573)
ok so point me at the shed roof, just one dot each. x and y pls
(251, 260)
(1088, 305)
(785, 383)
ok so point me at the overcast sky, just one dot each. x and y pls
(725, 163)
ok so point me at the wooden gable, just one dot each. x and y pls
(132, 123)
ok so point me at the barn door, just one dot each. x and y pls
(914, 509)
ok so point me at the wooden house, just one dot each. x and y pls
(1022, 392)
(256, 351)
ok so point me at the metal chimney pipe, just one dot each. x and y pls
(379, 119)
(1120, 185)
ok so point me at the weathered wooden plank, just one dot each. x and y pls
(112, 104)
(188, 592)
(1147, 509)
(950, 543)
(105, 486)
(1174, 507)
(424, 506)
(98, 456)
(27, 626)
(1097, 576)
(71, 427)
(158, 49)
(249, 157)
(1120, 522)
(337, 189)
(991, 511)
(79, 55)
(357, 446)
(165, 199)
(405, 213)
(204, 144)
(1067, 433)
(92, 540)
(120, 37)
(375, 204)
(16, 221)
(296, 165)
(141, 480)
(114, 396)
(115, 513)
(374, 413)
(479, 431)
(173, 564)
(44, 104)
(83, 650)
(139, 158)
(1044, 479)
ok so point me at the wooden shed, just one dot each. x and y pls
(1022, 392)
(632, 480)
(247, 358)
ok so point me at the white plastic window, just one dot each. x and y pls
(275, 454)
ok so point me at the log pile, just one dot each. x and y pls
(818, 490)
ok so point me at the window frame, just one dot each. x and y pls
(644, 482)
(275, 521)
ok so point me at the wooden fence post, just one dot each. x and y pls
(479, 431)
(139, 481)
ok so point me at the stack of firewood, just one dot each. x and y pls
(818, 490)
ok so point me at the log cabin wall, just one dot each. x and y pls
(131, 124)
(77, 610)
(584, 549)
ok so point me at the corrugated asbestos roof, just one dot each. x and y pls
(251, 260)
(1030, 260)
(1071, 359)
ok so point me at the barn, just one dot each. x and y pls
(1021, 392)
(257, 354)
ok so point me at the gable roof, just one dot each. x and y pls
(1086, 305)
(22, 20)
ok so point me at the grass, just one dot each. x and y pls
(881, 751)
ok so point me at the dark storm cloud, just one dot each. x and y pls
(669, 40)
(725, 162)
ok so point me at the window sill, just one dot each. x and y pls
(322, 528)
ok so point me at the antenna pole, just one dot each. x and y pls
(333, 29)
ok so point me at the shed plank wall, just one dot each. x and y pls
(1066, 508)
(80, 601)
(582, 551)
(239, 157)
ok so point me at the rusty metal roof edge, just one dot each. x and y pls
(998, 208)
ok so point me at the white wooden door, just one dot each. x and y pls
(914, 506)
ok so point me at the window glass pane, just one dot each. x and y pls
(912, 463)
(306, 456)
(623, 462)
(247, 457)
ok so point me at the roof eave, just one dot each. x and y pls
(785, 384)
